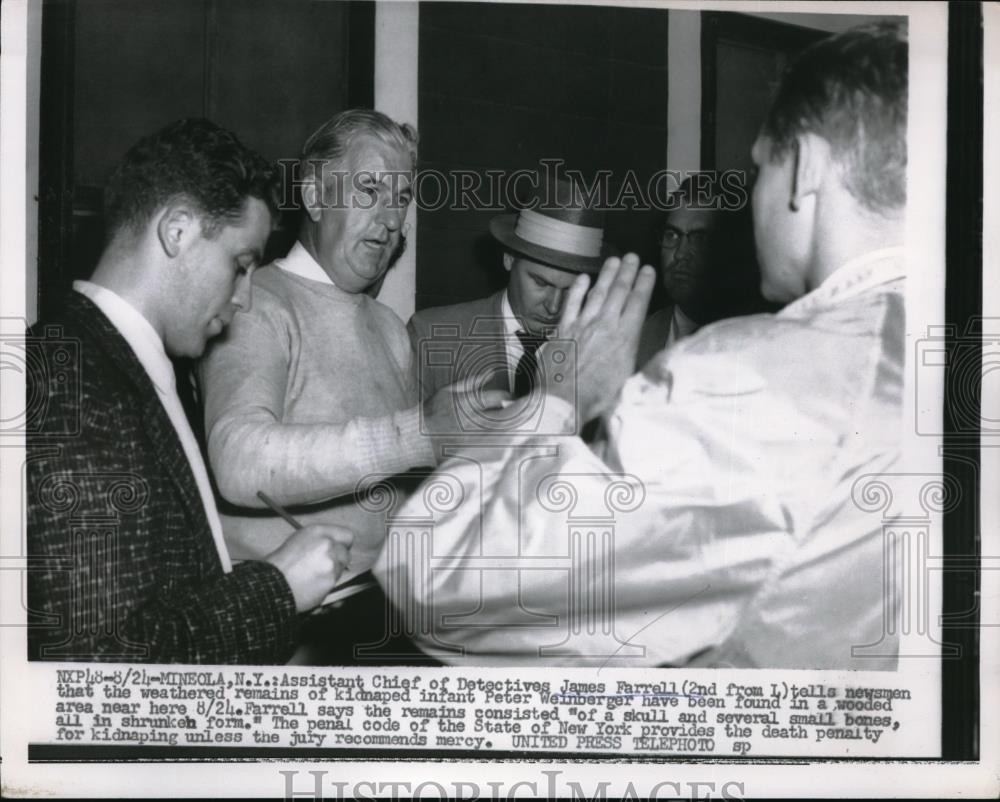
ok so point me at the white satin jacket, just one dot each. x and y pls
(725, 522)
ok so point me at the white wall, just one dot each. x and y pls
(396, 48)
(684, 90)
(33, 69)
(21, 49)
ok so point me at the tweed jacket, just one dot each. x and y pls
(124, 565)
(454, 342)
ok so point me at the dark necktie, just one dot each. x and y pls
(526, 372)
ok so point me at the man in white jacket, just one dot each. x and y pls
(719, 525)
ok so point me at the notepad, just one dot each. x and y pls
(355, 584)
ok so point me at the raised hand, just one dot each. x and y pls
(605, 325)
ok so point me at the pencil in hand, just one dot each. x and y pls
(276, 507)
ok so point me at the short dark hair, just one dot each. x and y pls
(191, 158)
(851, 89)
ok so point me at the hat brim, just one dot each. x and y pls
(502, 228)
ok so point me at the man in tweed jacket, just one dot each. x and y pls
(122, 526)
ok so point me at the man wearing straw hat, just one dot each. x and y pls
(492, 341)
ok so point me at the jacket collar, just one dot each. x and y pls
(492, 323)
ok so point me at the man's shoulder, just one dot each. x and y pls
(463, 315)
(82, 376)
(273, 288)
(271, 313)
(79, 340)
(74, 315)
(799, 352)
(750, 337)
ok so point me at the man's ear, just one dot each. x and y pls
(508, 261)
(176, 225)
(811, 155)
(312, 198)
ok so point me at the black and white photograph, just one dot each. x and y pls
(557, 399)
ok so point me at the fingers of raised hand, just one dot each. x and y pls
(638, 299)
(571, 306)
(595, 300)
(620, 289)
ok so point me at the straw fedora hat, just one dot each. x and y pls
(556, 227)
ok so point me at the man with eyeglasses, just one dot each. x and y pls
(706, 265)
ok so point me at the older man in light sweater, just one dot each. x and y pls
(314, 388)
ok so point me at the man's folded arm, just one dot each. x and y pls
(244, 382)
(303, 463)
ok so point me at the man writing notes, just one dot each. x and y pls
(122, 526)
(314, 388)
(493, 340)
(725, 523)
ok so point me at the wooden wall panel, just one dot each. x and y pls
(137, 67)
(502, 88)
(276, 70)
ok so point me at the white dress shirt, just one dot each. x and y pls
(300, 262)
(148, 347)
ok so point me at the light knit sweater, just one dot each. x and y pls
(307, 393)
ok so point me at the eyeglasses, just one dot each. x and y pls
(698, 240)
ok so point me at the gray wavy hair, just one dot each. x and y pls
(333, 138)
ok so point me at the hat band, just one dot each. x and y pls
(558, 235)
